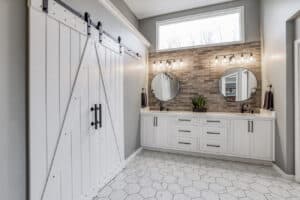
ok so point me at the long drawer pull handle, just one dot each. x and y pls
(213, 133)
(184, 120)
(248, 126)
(213, 121)
(186, 143)
(184, 131)
(211, 145)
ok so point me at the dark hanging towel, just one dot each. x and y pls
(269, 100)
(144, 98)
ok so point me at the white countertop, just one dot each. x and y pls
(264, 114)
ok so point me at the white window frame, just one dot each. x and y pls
(240, 9)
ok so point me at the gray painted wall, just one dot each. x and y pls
(134, 81)
(277, 68)
(122, 6)
(135, 70)
(13, 99)
(252, 7)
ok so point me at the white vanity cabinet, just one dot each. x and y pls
(155, 131)
(148, 130)
(253, 138)
(236, 135)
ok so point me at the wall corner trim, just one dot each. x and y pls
(133, 155)
(282, 173)
(117, 13)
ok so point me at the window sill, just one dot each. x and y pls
(200, 46)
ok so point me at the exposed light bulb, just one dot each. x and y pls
(224, 61)
(242, 58)
(177, 64)
(216, 60)
(251, 59)
(174, 64)
(232, 60)
(160, 64)
(168, 63)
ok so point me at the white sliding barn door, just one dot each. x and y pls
(70, 72)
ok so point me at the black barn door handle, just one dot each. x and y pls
(100, 115)
(95, 122)
(97, 112)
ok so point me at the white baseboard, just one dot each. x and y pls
(132, 156)
(213, 156)
(282, 173)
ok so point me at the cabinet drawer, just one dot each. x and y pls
(185, 132)
(186, 144)
(186, 121)
(213, 146)
(214, 133)
(214, 122)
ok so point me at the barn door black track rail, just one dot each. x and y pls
(87, 18)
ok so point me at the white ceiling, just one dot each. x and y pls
(149, 8)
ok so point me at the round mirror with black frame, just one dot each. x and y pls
(165, 87)
(238, 84)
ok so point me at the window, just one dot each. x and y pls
(214, 28)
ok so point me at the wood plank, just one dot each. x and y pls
(53, 123)
(83, 39)
(75, 53)
(66, 165)
(65, 69)
(85, 123)
(37, 101)
(76, 149)
(93, 99)
(103, 146)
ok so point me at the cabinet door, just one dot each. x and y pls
(148, 131)
(262, 143)
(241, 138)
(163, 128)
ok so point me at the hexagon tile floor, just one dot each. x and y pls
(163, 176)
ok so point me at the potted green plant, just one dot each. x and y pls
(199, 103)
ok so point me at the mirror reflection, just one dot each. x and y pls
(165, 87)
(238, 84)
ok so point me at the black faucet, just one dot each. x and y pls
(161, 107)
(244, 107)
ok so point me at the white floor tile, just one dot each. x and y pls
(163, 176)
